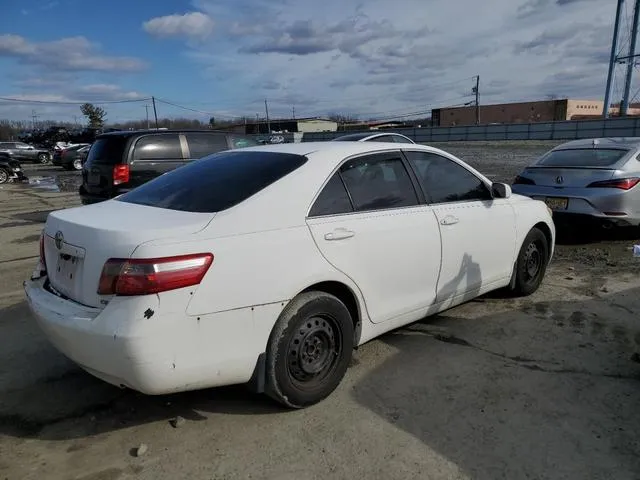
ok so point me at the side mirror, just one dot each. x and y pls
(500, 190)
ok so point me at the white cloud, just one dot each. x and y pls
(191, 25)
(371, 57)
(71, 53)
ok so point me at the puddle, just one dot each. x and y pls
(59, 183)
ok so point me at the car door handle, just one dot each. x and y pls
(339, 234)
(449, 220)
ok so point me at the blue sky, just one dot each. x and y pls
(373, 58)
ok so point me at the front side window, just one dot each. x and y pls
(333, 200)
(445, 181)
(158, 147)
(378, 182)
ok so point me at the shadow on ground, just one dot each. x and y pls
(549, 391)
(545, 387)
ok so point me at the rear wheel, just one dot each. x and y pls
(531, 264)
(309, 350)
(77, 164)
(4, 175)
(43, 158)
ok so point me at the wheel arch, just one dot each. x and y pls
(347, 296)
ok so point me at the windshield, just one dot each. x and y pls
(215, 182)
(107, 151)
(582, 157)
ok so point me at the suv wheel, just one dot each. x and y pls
(43, 158)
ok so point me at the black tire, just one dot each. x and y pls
(43, 158)
(4, 175)
(531, 264)
(322, 324)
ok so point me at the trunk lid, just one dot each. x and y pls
(567, 177)
(78, 241)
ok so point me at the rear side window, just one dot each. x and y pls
(582, 157)
(378, 182)
(107, 151)
(242, 142)
(215, 183)
(203, 144)
(158, 147)
(333, 200)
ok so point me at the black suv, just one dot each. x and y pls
(120, 161)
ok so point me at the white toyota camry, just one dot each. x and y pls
(269, 265)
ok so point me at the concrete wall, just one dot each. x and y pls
(566, 130)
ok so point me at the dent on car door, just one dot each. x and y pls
(368, 222)
(478, 232)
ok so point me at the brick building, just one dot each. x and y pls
(522, 112)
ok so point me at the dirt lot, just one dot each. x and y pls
(543, 387)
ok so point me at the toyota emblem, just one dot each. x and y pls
(559, 179)
(59, 239)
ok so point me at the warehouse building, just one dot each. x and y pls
(523, 112)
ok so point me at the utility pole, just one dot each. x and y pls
(293, 112)
(34, 116)
(146, 107)
(476, 90)
(155, 113)
(631, 60)
(612, 60)
(266, 109)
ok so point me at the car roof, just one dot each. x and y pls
(132, 133)
(605, 142)
(360, 136)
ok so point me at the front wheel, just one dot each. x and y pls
(43, 158)
(4, 176)
(309, 350)
(531, 264)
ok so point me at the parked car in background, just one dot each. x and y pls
(10, 169)
(594, 179)
(374, 137)
(120, 161)
(70, 157)
(270, 264)
(23, 152)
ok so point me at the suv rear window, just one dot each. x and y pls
(216, 182)
(107, 151)
(582, 157)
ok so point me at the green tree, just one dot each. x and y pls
(95, 115)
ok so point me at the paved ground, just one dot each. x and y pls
(544, 387)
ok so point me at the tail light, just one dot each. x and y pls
(523, 181)
(120, 174)
(43, 263)
(621, 183)
(154, 275)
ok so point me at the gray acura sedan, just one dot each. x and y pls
(596, 178)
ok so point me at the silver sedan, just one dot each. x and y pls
(595, 178)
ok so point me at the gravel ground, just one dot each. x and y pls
(542, 387)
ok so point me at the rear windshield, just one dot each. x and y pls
(582, 157)
(216, 182)
(107, 151)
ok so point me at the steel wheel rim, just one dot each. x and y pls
(314, 351)
(532, 261)
(3, 176)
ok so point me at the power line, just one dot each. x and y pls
(54, 102)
